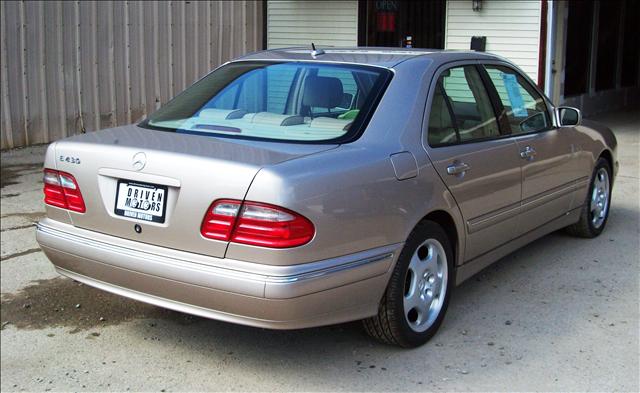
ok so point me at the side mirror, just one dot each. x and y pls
(567, 116)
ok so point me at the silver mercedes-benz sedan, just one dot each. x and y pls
(296, 188)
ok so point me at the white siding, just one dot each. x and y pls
(292, 23)
(512, 29)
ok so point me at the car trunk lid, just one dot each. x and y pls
(186, 173)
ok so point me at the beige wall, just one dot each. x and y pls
(74, 66)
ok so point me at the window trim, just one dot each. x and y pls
(481, 63)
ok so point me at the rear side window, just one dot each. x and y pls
(280, 101)
(524, 106)
(441, 128)
(471, 117)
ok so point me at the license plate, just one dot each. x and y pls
(141, 201)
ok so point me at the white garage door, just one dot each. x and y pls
(293, 23)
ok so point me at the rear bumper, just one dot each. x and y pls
(278, 297)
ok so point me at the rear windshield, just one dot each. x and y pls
(284, 101)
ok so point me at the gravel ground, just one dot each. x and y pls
(561, 314)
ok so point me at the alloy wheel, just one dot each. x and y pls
(599, 206)
(425, 285)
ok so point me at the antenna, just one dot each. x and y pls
(315, 52)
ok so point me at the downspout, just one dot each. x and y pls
(542, 45)
(551, 49)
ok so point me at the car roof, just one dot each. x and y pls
(375, 56)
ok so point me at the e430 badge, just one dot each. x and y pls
(70, 160)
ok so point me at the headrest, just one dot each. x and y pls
(322, 91)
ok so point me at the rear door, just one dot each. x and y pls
(478, 163)
(546, 153)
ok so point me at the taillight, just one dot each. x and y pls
(61, 190)
(257, 224)
(265, 225)
(220, 219)
(53, 193)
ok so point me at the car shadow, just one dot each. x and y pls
(530, 293)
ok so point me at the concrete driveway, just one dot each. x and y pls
(560, 314)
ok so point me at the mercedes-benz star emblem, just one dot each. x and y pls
(139, 161)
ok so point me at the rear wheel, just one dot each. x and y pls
(595, 210)
(418, 293)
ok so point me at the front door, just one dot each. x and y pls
(479, 165)
(546, 153)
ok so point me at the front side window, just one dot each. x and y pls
(284, 101)
(525, 108)
(470, 117)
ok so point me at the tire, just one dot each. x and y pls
(594, 219)
(413, 305)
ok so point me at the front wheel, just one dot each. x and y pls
(595, 210)
(418, 293)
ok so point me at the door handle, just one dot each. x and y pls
(527, 153)
(458, 168)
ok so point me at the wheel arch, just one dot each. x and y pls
(608, 155)
(446, 221)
